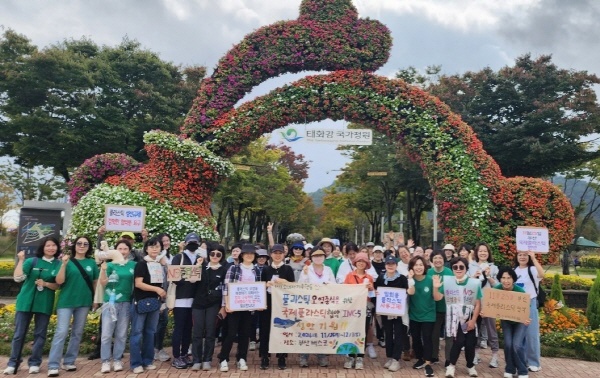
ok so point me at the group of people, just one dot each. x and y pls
(444, 290)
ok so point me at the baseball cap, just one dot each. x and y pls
(192, 237)
(378, 248)
(370, 244)
(277, 247)
(449, 246)
(127, 234)
(391, 260)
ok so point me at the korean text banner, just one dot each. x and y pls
(311, 318)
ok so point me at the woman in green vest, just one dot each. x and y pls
(77, 276)
(35, 301)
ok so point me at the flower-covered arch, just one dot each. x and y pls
(476, 202)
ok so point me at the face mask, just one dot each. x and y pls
(202, 252)
(192, 247)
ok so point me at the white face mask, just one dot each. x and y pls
(201, 252)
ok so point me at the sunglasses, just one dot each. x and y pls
(458, 267)
(216, 254)
(82, 244)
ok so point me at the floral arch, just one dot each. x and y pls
(176, 185)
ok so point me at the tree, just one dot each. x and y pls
(593, 304)
(530, 117)
(339, 216)
(73, 100)
(35, 183)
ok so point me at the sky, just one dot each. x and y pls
(459, 35)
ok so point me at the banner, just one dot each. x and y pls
(390, 301)
(36, 224)
(247, 296)
(504, 304)
(311, 318)
(124, 218)
(532, 239)
(191, 273)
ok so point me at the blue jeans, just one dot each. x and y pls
(514, 347)
(117, 328)
(63, 323)
(141, 340)
(161, 330)
(22, 321)
(532, 339)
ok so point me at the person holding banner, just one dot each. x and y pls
(514, 332)
(276, 272)
(316, 273)
(239, 322)
(359, 276)
(118, 280)
(393, 326)
(463, 304)
(148, 278)
(35, 301)
(439, 269)
(482, 268)
(421, 311)
(208, 296)
(529, 274)
(77, 276)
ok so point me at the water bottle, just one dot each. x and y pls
(371, 292)
(113, 278)
(112, 298)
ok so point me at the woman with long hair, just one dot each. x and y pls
(160, 353)
(148, 291)
(77, 276)
(35, 301)
(529, 275)
(296, 259)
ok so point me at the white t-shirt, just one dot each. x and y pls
(312, 277)
(524, 280)
(347, 267)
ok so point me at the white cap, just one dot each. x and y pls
(308, 246)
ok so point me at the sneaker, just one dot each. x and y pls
(94, 355)
(138, 370)
(179, 363)
(371, 351)
(206, 366)
(394, 366)
(388, 363)
(483, 344)
(435, 361)
(241, 364)
(223, 366)
(534, 368)
(10, 370)
(523, 376)
(382, 343)
(420, 364)
(34, 369)
(303, 361)
(252, 345)
(68, 367)
(150, 367)
(105, 367)
(476, 360)
(508, 375)
(450, 371)
(188, 361)
(472, 372)
(117, 366)
(281, 363)
(428, 371)
(53, 372)
(264, 363)
(406, 355)
(494, 361)
(197, 366)
(359, 365)
(323, 361)
(162, 356)
(349, 363)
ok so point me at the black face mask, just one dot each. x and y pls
(192, 247)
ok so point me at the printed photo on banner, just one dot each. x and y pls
(124, 218)
(191, 273)
(390, 301)
(504, 304)
(533, 239)
(156, 272)
(247, 296)
(311, 318)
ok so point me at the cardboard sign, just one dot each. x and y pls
(313, 318)
(390, 301)
(504, 304)
(533, 239)
(191, 273)
(124, 218)
(247, 296)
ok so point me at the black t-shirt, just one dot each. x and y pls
(378, 266)
(285, 271)
(141, 270)
(209, 290)
(400, 282)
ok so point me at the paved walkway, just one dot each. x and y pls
(552, 367)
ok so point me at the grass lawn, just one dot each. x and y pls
(583, 272)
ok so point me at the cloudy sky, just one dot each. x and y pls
(459, 35)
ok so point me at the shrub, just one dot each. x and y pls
(556, 317)
(590, 262)
(568, 282)
(593, 308)
(556, 292)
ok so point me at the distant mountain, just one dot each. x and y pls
(317, 197)
(575, 190)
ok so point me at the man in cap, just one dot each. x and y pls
(370, 246)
